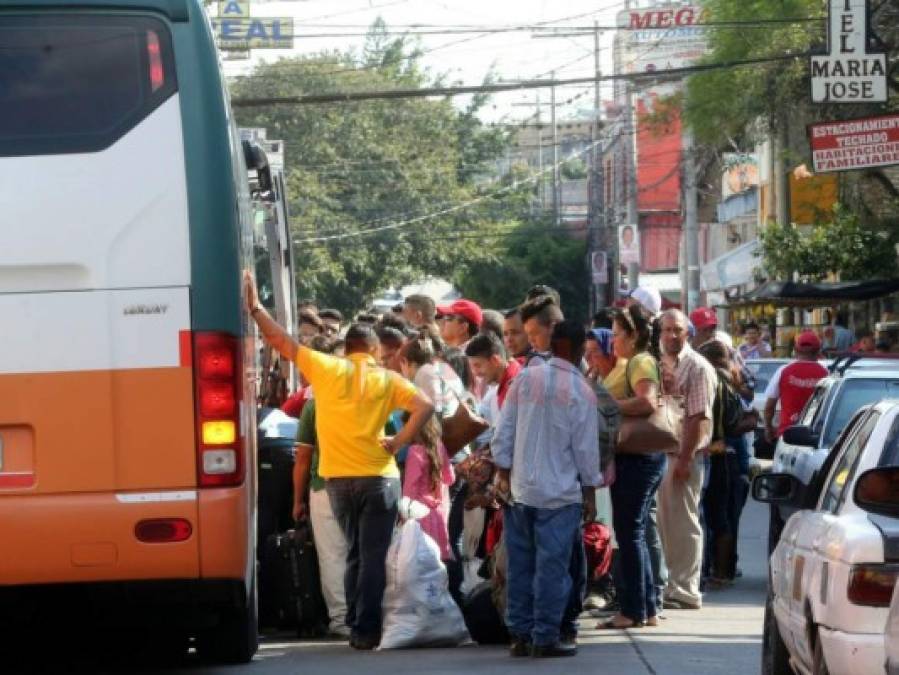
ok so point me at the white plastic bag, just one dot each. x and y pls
(418, 609)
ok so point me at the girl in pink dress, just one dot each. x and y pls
(427, 479)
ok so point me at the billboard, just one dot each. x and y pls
(855, 144)
(659, 38)
(236, 31)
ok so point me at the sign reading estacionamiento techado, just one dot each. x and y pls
(849, 73)
(855, 144)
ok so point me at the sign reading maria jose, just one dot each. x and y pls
(848, 73)
(855, 144)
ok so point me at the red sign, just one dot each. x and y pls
(855, 144)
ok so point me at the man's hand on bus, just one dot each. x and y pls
(300, 512)
(250, 293)
(273, 334)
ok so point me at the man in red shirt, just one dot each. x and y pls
(793, 384)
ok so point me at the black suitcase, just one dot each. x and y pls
(276, 458)
(291, 585)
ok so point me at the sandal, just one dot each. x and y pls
(617, 623)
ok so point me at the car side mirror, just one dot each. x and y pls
(801, 434)
(774, 488)
(877, 491)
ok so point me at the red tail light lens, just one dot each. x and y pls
(872, 584)
(220, 450)
(163, 530)
(154, 56)
(217, 399)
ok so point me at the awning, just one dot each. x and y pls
(734, 268)
(793, 293)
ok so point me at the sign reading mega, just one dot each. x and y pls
(661, 38)
(855, 144)
(848, 73)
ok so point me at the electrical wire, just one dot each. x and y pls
(351, 96)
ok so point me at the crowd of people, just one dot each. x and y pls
(635, 421)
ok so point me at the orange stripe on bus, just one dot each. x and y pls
(185, 349)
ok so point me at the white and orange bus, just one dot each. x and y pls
(127, 408)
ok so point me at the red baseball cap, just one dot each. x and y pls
(808, 340)
(703, 317)
(470, 310)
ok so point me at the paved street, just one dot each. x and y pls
(725, 637)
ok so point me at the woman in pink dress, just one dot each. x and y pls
(427, 479)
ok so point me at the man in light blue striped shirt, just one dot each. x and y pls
(547, 439)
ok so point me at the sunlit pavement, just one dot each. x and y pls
(722, 638)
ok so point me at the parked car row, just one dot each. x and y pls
(834, 498)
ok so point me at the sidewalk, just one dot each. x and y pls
(724, 638)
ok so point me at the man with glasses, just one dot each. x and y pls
(331, 320)
(459, 322)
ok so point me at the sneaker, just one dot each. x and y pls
(568, 640)
(363, 642)
(673, 603)
(595, 601)
(340, 630)
(553, 651)
(520, 647)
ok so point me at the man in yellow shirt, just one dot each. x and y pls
(354, 396)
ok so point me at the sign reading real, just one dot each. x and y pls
(235, 29)
(848, 73)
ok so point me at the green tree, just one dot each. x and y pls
(355, 171)
(532, 253)
(843, 246)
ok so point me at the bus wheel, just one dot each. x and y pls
(235, 638)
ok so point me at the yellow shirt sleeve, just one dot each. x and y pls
(643, 367)
(316, 366)
(402, 393)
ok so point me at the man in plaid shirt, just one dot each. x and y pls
(689, 375)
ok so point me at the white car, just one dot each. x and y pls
(834, 568)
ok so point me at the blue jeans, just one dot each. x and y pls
(656, 554)
(577, 569)
(637, 479)
(539, 545)
(366, 510)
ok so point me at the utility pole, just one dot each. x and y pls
(542, 190)
(557, 206)
(691, 222)
(597, 238)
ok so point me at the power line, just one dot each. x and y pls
(587, 30)
(351, 96)
(446, 211)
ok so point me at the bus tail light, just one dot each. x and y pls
(154, 57)
(872, 584)
(217, 369)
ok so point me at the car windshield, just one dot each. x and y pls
(853, 395)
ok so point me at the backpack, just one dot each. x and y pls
(729, 406)
(609, 422)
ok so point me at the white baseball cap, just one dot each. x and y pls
(649, 297)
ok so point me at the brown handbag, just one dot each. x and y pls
(657, 432)
(461, 428)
